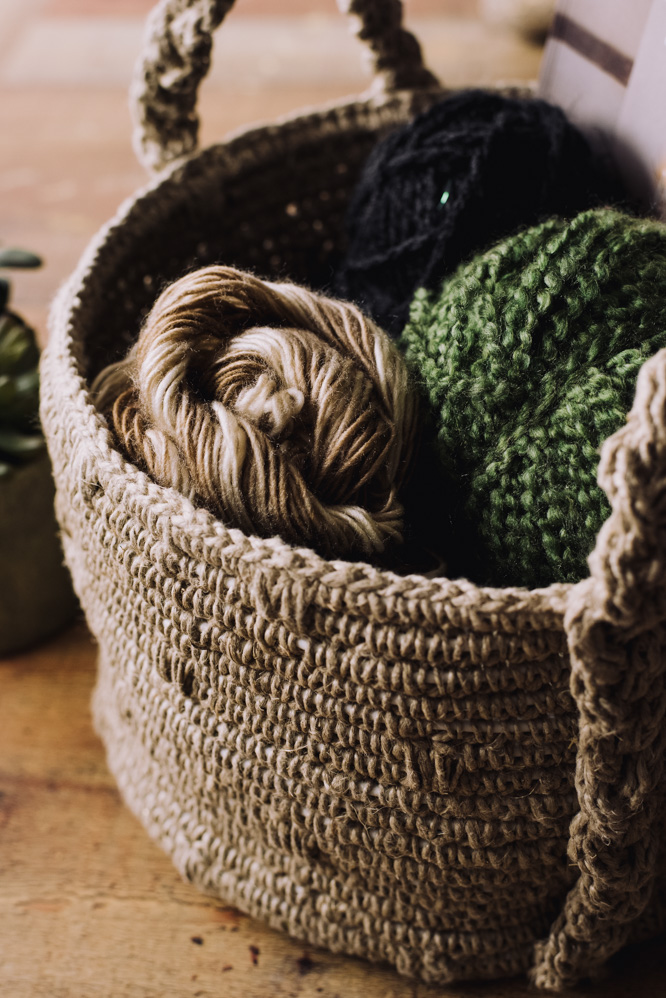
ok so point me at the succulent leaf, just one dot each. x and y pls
(18, 348)
(7, 391)
(19, 401)
(13, 257)
(20, 439)
(19, 446)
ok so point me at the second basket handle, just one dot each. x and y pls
(176, 57)
(616, 624)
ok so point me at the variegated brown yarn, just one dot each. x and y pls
(282, 411)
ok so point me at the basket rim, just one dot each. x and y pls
(355, 586)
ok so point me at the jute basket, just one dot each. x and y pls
(464, 782)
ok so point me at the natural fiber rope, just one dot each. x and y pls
(176, 57)
(615, 622)
(282, 411)
(395, 54)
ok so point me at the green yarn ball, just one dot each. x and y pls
(529, 356)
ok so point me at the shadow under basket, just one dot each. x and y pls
(463, 782)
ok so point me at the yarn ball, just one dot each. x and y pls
(529, 356)
(474, 168)
(281, 411)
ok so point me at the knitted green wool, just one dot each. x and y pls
(529, 355)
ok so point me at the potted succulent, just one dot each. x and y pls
(36, 593)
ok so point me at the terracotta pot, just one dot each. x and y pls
(36, 591)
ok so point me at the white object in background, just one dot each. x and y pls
(605, 65)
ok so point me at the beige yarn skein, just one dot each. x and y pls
(280, 410)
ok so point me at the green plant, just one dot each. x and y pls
(20, 435)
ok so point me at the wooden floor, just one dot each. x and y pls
(89, 906)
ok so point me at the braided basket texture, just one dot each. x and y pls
(464, 782)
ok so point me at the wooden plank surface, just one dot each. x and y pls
(91, 908)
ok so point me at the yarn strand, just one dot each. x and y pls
(282, 411)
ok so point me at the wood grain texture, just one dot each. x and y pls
(91, 908)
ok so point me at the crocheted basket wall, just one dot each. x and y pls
(461, 781)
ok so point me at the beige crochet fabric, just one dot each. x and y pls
(464, 782)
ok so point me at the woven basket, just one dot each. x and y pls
(461, 781)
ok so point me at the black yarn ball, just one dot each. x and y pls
(470, 170)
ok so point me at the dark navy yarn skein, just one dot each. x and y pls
(474, 168)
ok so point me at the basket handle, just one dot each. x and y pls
(615, 622)
(176, 57)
